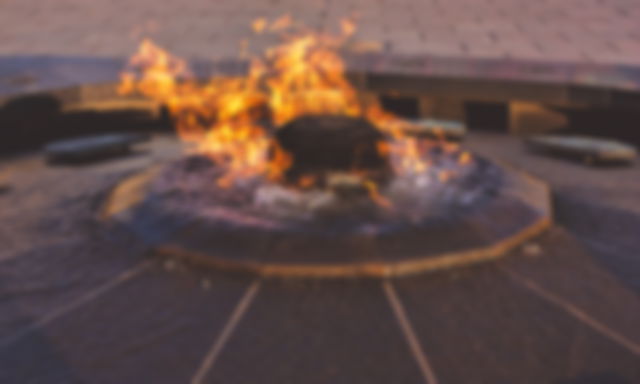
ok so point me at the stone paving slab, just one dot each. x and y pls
(46, 262)
(455, 37)
(595, 31)
(154, 328)
(573, 275)
(596, 204)
(608, 232)
(479, 325)
(482, 325)
(317, 332)
(39, 281)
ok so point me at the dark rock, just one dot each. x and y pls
(332, 143)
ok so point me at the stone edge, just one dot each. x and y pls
(133, 187)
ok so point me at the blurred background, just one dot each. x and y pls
(537, 281)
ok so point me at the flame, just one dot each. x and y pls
(259, 25)
(464, 158)
(376, 196)
(307, 181)
(406, 152)
(282, 23)
(348, 27)
(229, 119)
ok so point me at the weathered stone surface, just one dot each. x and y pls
(510, 208)
(588, 149)
(129, 334)
(412, 27)
(335, 332)
(487, 325)
(478, 325)
(599, 205)
(91, 148)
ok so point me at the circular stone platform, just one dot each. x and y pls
(514, 207)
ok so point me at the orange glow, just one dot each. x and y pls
(307, 181)
(444, 176)
(282, 23)
(464, 158)
(228, 118)
(408, 151)
(375, 195)
(348, 27)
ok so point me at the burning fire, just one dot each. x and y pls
(230, 119)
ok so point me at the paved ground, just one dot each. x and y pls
(80, 303)
(598, 205)
(600, 31)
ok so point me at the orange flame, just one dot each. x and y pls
(375, 195)
(226, 118)
(282, 23)
(348, 27)
(259, 25)
(464, 158)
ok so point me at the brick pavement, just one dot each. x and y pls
(599, 31)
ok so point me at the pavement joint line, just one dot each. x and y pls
(236, 316)
(82, 300)
(574, 311)
(409, 333)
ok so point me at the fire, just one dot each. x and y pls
(307, 181)
(407, 152)
(259, 25)
(282, 23)
(230, 119)
(376, 196)
(465, 158)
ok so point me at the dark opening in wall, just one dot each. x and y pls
(615, 122)
(27, 123)
(403, 106)
(487, 116)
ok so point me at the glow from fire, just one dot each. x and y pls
(230, 118)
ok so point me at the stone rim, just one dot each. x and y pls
(129, 193)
